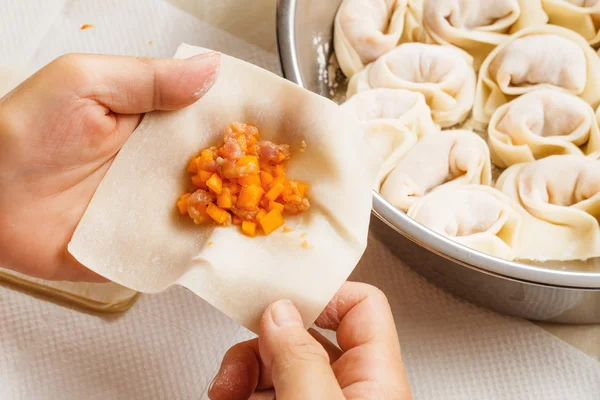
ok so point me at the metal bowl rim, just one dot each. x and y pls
(416, 232)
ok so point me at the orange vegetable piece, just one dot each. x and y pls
(198, 214)
(279, 170)
(271, 221)
(198, 182)
(265, 179)
(193, 167)
(247, 160)
(261, 214)
(275, 191)
(225, 200)
(219, 215)
(205, 175)
(249, 180)
(237, 220)
(182, 204)
(273, 205)
(249, 228)
(250, 197)
(215, 183)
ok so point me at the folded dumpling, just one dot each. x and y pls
(542, 123)
(364, 30)
(476, 26)
(393, 121)
(534, 58)
(448, 158)
(581, 16)
(563, 192)
(444, 74)
(479, 217)
(131, 232)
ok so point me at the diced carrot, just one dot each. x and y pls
(198, 214)
(249, 228)
(265, 179)
(275, 191)
(205, 175)
(219, 215)
(250, 197)
(280, 180)
(273, 205)
(249, 180)
(193, 167)
(182, 204)
(237, 220)
(233, 187)
(287, 229)
(271, 221)
(225, 200)
(279, 170)
(305, 245)
(261, 214)
(215, 183)
(280, 157)
(198, 182)
(247, 160)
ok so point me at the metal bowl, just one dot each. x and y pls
(557, 292)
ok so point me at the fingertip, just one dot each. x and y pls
(205, 67)
(238, 375)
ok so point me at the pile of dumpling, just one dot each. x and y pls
(524, 76)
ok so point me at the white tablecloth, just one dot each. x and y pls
(168, 346)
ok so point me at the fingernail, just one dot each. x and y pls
(208, 64)
(284, 313)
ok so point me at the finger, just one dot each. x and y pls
(372, 362)
(332, 350)
(239, 373)
(263, 395)
(298, 363)
(129, 85)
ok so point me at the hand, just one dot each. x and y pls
(59, 133)
(287, 363)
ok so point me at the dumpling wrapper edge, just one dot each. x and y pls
(132, 234)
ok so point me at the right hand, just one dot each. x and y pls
(288, 363)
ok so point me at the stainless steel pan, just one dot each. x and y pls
(558, 292)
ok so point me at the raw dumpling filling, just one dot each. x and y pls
(444, 75)
(542, 123)
(243, 182)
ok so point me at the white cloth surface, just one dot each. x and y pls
(169, 346)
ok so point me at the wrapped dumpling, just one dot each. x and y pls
(364, 30)
(393, 121)
(131, 232)
(542, 123)
(449, 158)
(444, 74)
(477, 27)
(581, 16)
(479, 217)
(536, 58)
(564, 193)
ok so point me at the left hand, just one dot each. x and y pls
(59, 133)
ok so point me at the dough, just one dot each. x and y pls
(131, 233)
(581, 16)
(542, 123)
(476, 216)
(475, 26)
(364, 30)
(535, 58)
(393, 121)
(444, 74)
(456, 157)
(563, 192)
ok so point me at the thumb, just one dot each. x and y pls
(130, 85)
(298, 363)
